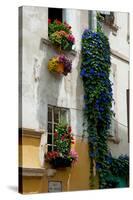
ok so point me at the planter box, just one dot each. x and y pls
(61, 162)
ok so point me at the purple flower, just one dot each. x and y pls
(83, 72)
(92, 71)
(67, 64)
(98, 165)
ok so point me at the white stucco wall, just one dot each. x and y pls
(49, 89)
(120, 44)
(118, 41)
(66, 91)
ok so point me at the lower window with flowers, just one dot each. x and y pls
(63, 155)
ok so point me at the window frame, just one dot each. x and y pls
(53, 123)
(106, 15)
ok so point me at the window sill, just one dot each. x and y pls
(30, 133)
(48, 43)
(114, 139)
(112, 26)
(36, 172)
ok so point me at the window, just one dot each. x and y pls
(55, 116)
(108, 18)
(55, 13)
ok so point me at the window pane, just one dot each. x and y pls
(55, 126)
(56, 115)
(63, 116)
(49, 148)
(55, 148)
(50, 114)
(49, 138)
(49, 128)
(55, 13)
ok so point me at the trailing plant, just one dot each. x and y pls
(60, 35)
(120, 166)
(63, 155)
(60, 64)
(95, 71)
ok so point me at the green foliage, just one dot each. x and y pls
(60, 35)
(63, 155)
(57, 25)
(95, 71)
(63, 139)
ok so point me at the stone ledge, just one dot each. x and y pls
(37, 172)
(114, 139)
(119, 55)
(30, 133)
(48, 43)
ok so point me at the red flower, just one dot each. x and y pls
(49, 21)
(55, 134)
(51, 155)
(58, 21)
(69, 129)
(62, 138)
(72, 142)
(67, 25)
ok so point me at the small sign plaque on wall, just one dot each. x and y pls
(54, 186)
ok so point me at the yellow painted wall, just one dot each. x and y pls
(74, 178)
(29, 152)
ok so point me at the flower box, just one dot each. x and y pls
(61, 162)
(60, 35)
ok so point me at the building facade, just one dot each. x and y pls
(45, 98)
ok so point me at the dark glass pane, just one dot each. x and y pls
(50, 114)
(49, 128)
(56, 115)
(55, 126)
(49, 148)
(63, 116)
(55, 148)
(49, 138)
(55, 13)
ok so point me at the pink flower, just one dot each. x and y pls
(71, 38)
(74, 155)
(62, 138)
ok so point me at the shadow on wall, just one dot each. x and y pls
(79, 100)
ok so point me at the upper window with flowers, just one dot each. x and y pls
(60, 34)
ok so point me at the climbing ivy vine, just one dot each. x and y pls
(95, 70)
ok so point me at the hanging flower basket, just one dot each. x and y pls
(60, 64)
(60, 35)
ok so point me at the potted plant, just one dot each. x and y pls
(60, 35)
(60, 64)
(63, 156)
